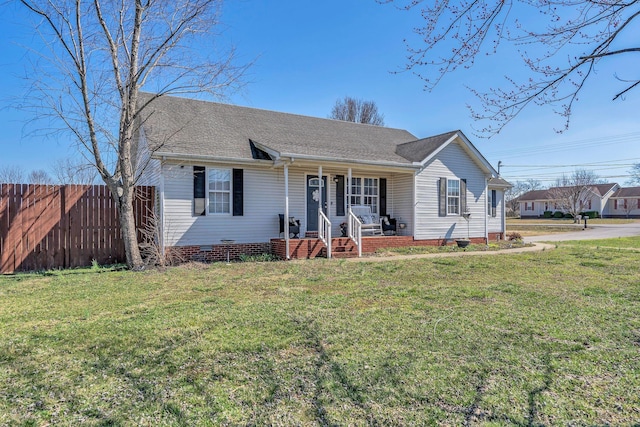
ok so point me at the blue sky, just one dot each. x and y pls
(308, 54)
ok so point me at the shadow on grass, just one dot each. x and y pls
(327, 370)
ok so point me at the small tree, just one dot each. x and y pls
(39, 176)
(11, 175)
(358, 111)
(101, 54)
(72, 171)
(634, 174)
(512, 195)
(572, 193)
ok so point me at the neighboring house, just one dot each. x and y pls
(624, 203)
(534, 204)
(225, 173)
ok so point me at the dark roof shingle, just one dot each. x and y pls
(190, 127)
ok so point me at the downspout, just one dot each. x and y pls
(161, 232)
(286, 210)
(486, 207)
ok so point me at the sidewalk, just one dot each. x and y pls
(538, 247)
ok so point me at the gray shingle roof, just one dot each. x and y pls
(499, 182)
(627, 192)
(599, 189)
(416, 151)
(190, 127)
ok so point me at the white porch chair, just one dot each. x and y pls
(370, 222)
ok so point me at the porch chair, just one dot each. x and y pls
(294, 226)
(370, 221)
(388, 226)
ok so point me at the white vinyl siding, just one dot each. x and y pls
(263, 200)
(453, 162)
(495, 223)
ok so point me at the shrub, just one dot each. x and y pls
(590, 214)
(568, 215)
(558, 214)
(514, 237)
(265, 257)
(547, 214)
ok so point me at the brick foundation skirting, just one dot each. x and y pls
(304, 248)
(308, 248)
(210, 253)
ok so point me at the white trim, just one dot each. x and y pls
(230, 191)
(286, 210)
(468, 146)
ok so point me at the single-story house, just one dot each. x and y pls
(226, 174)
(534, 204)
(624, 203)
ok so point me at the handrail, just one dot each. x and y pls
(355, 231)
(324, 231)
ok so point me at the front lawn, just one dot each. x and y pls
(546, 338)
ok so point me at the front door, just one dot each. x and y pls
(313, 195)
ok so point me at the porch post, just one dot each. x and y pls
(349, 202)
(349, 190)
(320, 189)
(286, 209)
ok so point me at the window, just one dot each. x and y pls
(489, 202)
(492, 203)
(453, 196)
(219, 191)
(364, 191)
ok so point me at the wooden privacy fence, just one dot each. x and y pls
(54, 226)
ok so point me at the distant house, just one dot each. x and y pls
(534, 204)
(225, 174)
(624, 203)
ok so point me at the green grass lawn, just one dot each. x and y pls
(547, 338)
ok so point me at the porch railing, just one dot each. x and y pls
(355, 231)
(324, 231)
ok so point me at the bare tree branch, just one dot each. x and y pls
(560, 54)
(101, 55)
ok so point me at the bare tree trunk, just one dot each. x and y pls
(128, 230)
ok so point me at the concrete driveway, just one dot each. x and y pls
(600, 231)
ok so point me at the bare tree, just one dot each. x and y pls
(572, 193)
(101, 55)
(11, 175)
(628, 206)
(358, 111)
(39, 176)
(559, 50)
(512, 196)
(634, 174)
(73, 171)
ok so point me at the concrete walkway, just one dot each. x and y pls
(538, 247)
(600, 231)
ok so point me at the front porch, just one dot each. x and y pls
(344, 247)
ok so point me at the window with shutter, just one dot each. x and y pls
(199, 191)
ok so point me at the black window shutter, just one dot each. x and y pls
(340, 195)
(494, 202)
(199, 189)
(383, 196)
(238, 192)
(463, 196)
(442, 208)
